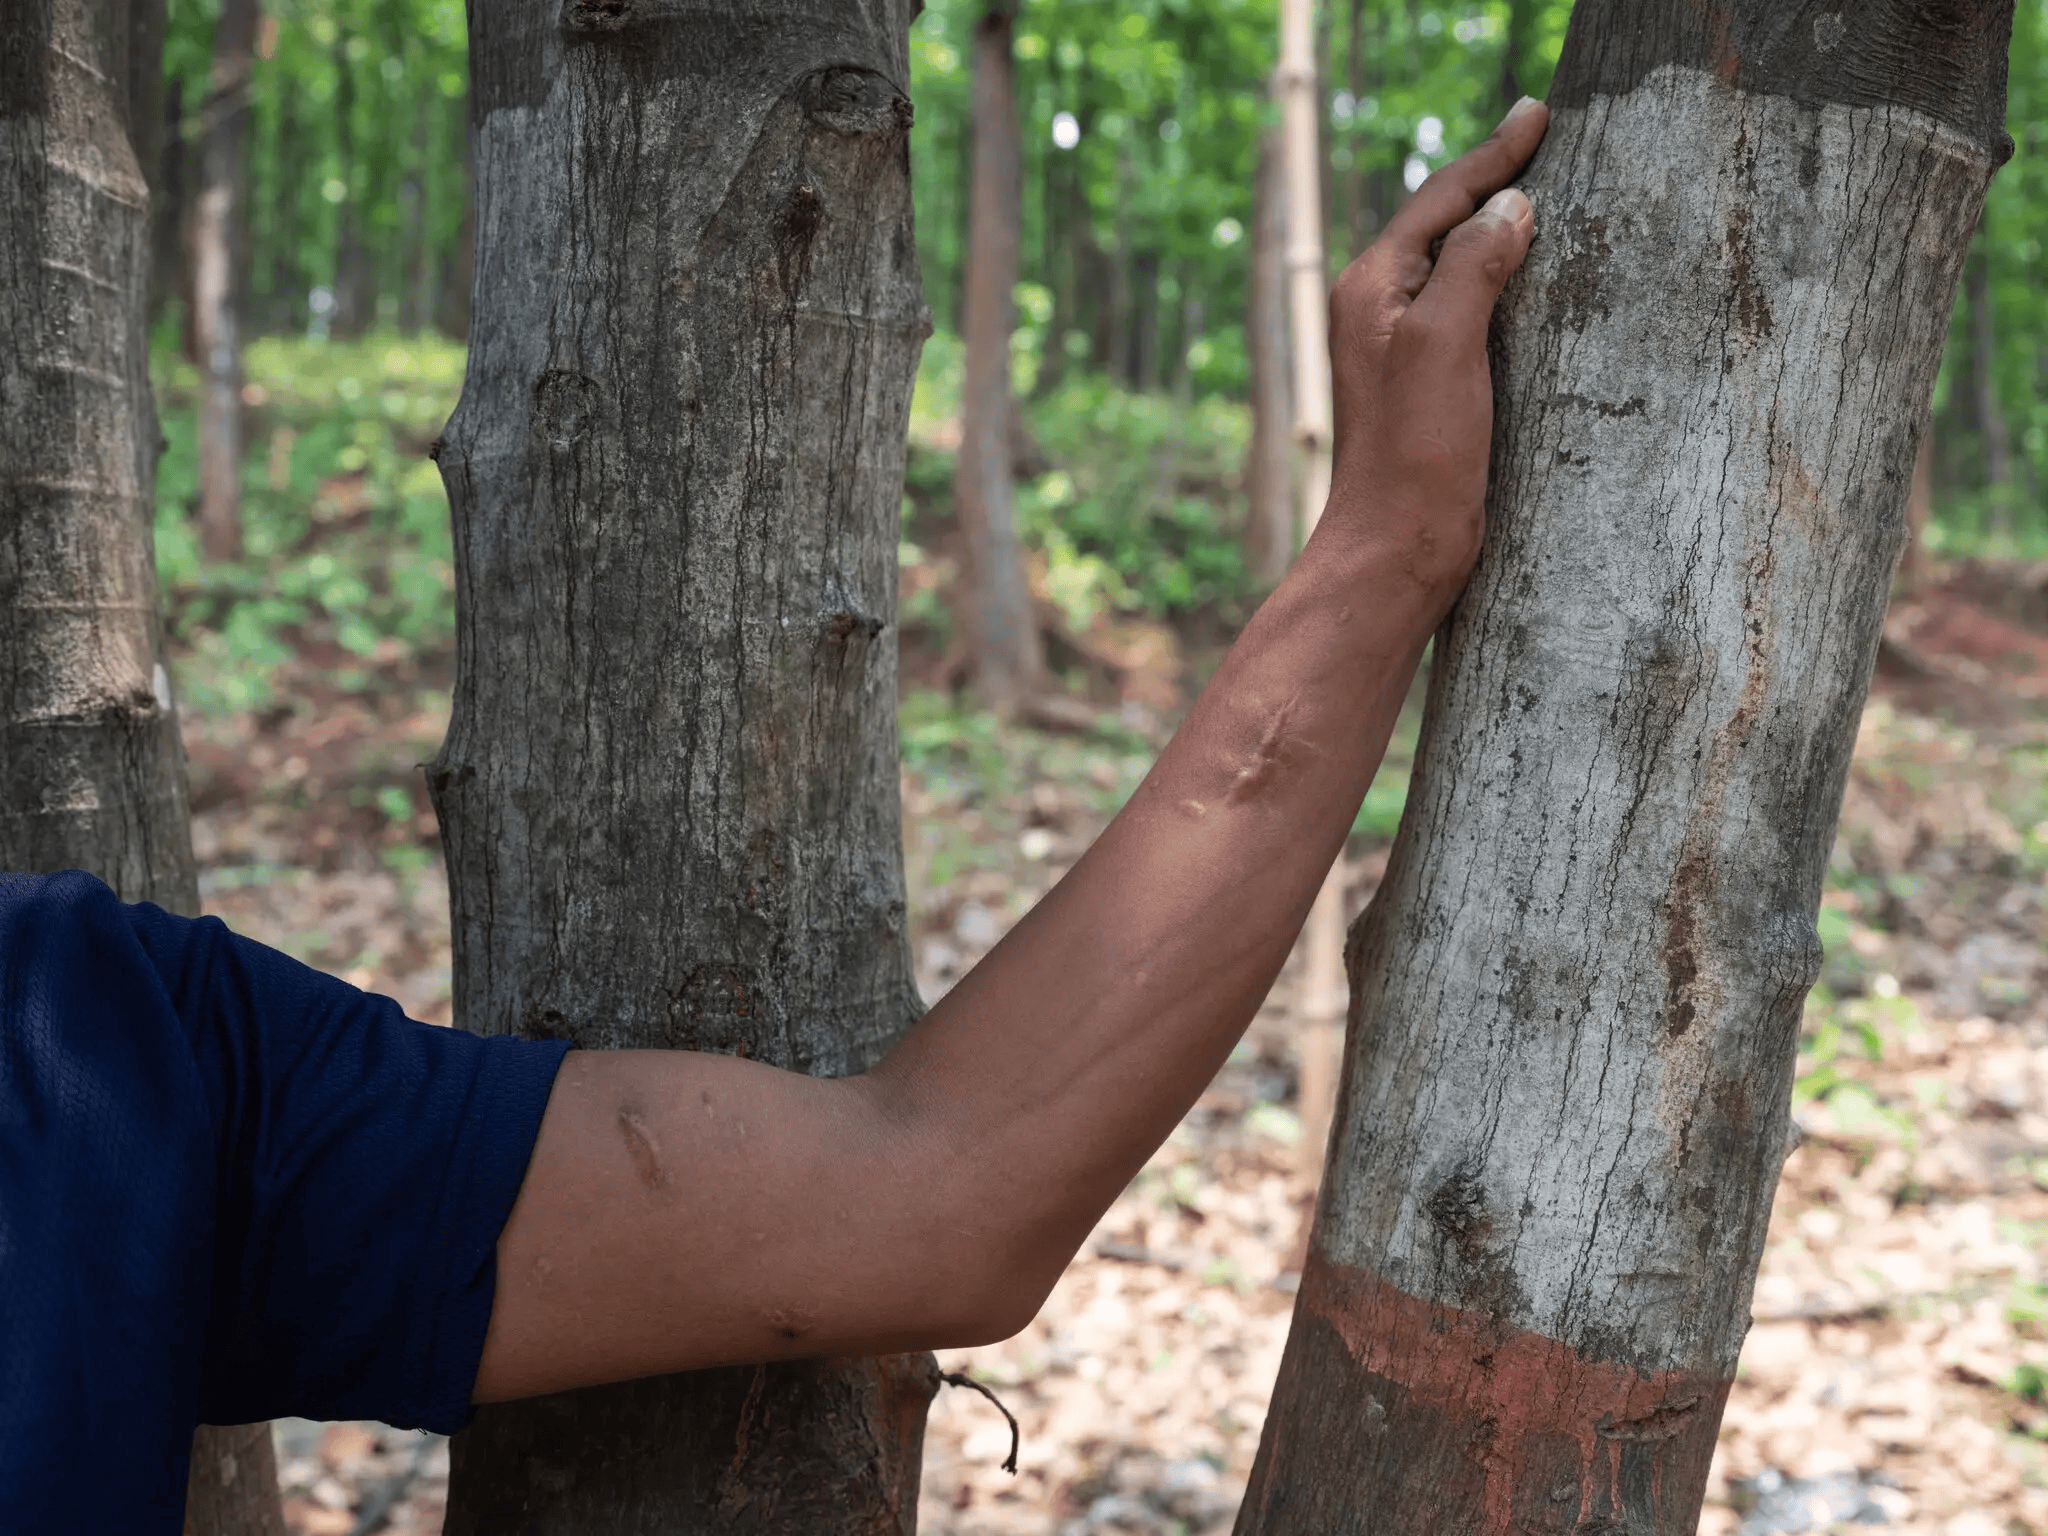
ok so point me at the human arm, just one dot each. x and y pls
(684, 1210)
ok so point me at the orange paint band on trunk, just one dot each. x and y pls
(1544, 1437)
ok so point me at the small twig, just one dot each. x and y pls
(962, 1379)
(1136, 1253)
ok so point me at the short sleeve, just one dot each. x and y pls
(231, 1189)
(366, 1165)
(106, 1220)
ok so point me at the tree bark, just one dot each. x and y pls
(669, 789)
(216, 303)
(1007, 658)
(1269, 459)
(92, 771)
(1576, 999)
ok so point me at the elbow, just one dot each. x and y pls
(1007, 1309)
(999, 1291)
(990, 1273)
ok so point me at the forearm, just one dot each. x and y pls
(684, 1210)
(1050, 1073)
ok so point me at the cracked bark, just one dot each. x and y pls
(669, 788)
(92, 771)
(1576, 999)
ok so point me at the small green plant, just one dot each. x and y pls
(2029, 1383)
(2027, 1303)
(345, 526)
(941, 741)
(1839, 1031)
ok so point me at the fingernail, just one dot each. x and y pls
(1521, 108)
(1509, 203)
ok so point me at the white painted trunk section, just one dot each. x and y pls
(1577, 994)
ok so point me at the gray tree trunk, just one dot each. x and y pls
(216, 302)
(669, 789)
(1576, 998)
(355, 268)
(1007, 658)
(92, 772)
(1269, 459)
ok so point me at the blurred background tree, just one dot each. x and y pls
(1138, 217)
(357, 164)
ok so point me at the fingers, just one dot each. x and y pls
(1449, 197)
(1479, 256)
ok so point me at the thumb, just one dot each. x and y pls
(1479, 256)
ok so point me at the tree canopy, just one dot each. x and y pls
(1141, 127)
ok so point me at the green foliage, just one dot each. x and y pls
(340, 451)
(1113, 535)
(1167, 101)
(358, 132)
(2012, 239)
(2029, 1383)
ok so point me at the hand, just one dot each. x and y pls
(1414, 402)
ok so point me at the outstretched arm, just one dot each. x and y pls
(685, 1210)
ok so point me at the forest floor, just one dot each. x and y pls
(1898, 1368)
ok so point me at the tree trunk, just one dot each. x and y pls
(416, 256)
(1008, 662)
(1919, 501)
(1059, 230)
(216, 303)
(1123, 327)
(1269, 459)
(669, 789)
(1146, 274)
(1984, 389)
(1576, 998)
(355, 278)
(170, 272)
(455, 285)
(92, 771)
(1187, 329)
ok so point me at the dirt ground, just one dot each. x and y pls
(1897, 1372)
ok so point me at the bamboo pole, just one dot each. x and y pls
(1323, 992)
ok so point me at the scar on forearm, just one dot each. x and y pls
(1258, 775)
(642, 1147)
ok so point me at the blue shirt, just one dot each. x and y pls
(231, 1188)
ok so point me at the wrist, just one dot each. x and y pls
(1394, 568)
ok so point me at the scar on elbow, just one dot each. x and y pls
(642, 1148)
(789, 1323)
